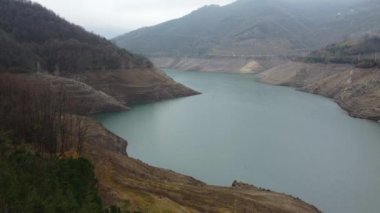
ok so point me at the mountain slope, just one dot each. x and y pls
(56, 44)
(49, 53)
(34, 39)
(256, 27)
(363, 52)
(347, 72)
(217, 30)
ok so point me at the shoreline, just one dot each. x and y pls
(125, 180)
(159, 184)
(341, 105)
(355, 90)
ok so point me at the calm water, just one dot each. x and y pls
(272, 137)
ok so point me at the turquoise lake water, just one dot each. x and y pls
(272, 137)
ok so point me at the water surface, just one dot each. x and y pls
(272, 137)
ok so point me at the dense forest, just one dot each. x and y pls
(35, 183)
(33, 38)
(32, 183)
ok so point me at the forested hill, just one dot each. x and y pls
(34, 38)
(363, 52)
(362, 47)
(257, 27)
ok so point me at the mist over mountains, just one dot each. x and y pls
(257, 27)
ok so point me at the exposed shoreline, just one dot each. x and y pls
(124, 180)
(132, 184)
(355, 90)
(233, 64)
(127, 181)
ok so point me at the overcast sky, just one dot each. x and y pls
(111, 18)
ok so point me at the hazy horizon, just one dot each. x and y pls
(115, 17)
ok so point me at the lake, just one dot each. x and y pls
(273, 137)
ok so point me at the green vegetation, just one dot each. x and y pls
(36, 131)
(32, 183)
(35, 121)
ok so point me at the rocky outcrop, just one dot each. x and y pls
(128, 182)
(356, 90)
(218, 63)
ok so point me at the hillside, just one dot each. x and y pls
(43, 82)
(40, 44)
(34, 183)
(37, 33)
(255, 27)
(363, 52)
(40, 170)
(347, 72)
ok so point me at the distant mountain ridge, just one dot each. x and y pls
(256, 27)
